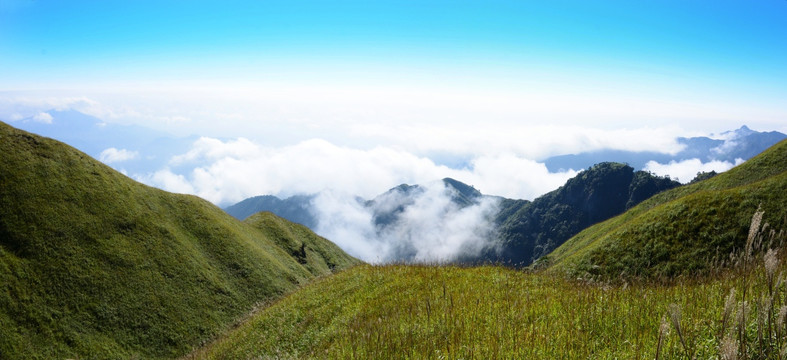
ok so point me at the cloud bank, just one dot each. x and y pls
(225, 172)
(424, 227)
(429, 226)
(113, 155)
(686, 170)
(43, 117)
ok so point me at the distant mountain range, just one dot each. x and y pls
(526, 230)
(296, 208)
(146, 150)
(523, 230)
(743, 143)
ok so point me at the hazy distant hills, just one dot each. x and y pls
(295, 208)
(144, 150)
(742, 143)
(96, 265)
(387, 206)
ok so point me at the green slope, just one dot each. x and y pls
(493, 312)
(315, 253)
(95, 265)
(683, 231)
(529, 230)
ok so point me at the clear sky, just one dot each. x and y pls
(436, 80)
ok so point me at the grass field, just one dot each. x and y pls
(491, 312)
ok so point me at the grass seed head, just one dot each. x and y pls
(729, 348)
(771, 262)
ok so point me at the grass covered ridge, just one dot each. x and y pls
(93, 264)
(683, 231)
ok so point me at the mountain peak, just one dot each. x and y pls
(462, 188)
(744, 131)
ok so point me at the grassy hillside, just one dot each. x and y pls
(316, 254)
(422, 312)
(685, 230)
(95, 265)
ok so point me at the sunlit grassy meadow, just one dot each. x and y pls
(491, 312)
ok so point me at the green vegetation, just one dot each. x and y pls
(684, 231)
(313, 252)
(449, 312)
(93, 264)
(529, 230)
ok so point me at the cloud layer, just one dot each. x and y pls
(687, 170)
(113, 155)
(427, 227)
(225, 172)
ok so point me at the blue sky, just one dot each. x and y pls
(435, 82)
(65, 43)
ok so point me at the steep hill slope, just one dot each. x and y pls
(95, 265)
(528, 230)
(684, 230)
(318, 255)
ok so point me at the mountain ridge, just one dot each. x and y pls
(529, 230)
(516, 238)
(685, 230)
(94, 264)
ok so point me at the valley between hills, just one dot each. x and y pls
(96, 265)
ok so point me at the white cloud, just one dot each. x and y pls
(225, 172)
(513, 176)
(33, 105)
(457, 118)
(43, 117)
(431, 228)
(113, 155)
(209, 149)
(686, 170)
(344, 220)
(168, 180)
(523, 139)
